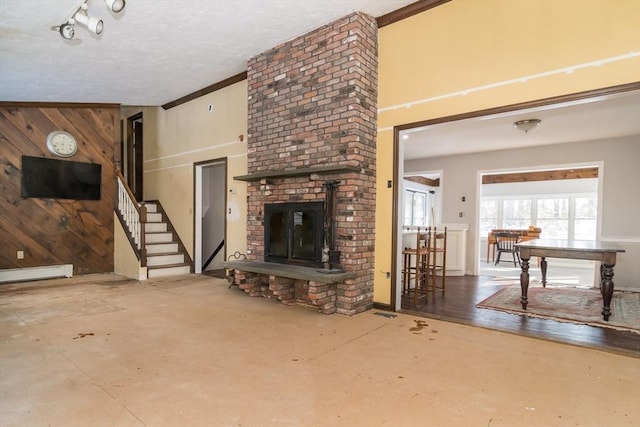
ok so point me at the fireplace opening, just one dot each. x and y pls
(294, 233)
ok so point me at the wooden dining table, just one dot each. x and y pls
(604, 252)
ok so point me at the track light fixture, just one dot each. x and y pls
(80, 16)
(67, 31)
(115, 5)
(92, 24)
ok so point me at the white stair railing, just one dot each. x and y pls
(133, 216)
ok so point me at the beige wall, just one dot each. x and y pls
(177, 138)
(620, 199)
(125, 261)
(472, 55)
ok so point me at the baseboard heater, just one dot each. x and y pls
(36, 273)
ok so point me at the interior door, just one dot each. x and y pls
(134, 155)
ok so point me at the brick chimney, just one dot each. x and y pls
(312, 119)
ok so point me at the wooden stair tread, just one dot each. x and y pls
(157, 267)
(164, 254)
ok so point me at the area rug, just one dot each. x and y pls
(574, 305)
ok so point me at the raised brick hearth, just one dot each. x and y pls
(312, 108)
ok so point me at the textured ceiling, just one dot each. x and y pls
(157, 51)
(153, 52)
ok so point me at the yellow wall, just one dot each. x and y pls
(177, 138)
(470, 55)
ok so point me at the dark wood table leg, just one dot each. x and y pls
(601, 277)
(607, 290)
(524, 280)
(543, 270)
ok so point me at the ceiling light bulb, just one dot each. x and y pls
(115, 5)
(94, 25)
(527, 125)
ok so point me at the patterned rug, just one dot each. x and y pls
(572, 305)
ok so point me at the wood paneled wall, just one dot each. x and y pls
(54, 231)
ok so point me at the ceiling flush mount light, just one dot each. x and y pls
(527, 125)
(80, 16)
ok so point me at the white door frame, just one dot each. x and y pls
(197, 211)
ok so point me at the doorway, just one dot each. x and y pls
(552, 203)
(210, 215)
(133, 155)
(440, 143)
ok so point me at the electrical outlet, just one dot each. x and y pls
(20, 254)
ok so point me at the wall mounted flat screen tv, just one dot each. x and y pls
(60, 179)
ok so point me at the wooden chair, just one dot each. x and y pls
(437, 261)
(506, 243)
(415, 267)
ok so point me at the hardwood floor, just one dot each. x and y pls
(463, 293)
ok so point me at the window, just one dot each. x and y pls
(559, 216)
(419, 209)
(553, 217)
(416, 208)
(516, 213)
(408, 208)
(488, 216)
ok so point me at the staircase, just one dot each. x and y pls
(164, 254)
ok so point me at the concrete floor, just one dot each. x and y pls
(99, 350)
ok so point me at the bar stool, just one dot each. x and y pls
(437, 261)
(415, 267)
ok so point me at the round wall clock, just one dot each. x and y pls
(62, 143)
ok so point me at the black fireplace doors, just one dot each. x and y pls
(294, 233)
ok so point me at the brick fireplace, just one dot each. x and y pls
(312, 125)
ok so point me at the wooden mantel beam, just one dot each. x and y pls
(424, 181)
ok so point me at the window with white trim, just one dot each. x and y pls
(516, 213)
(559, 216)
(553, 217)
(489, 215)
(417, 207)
